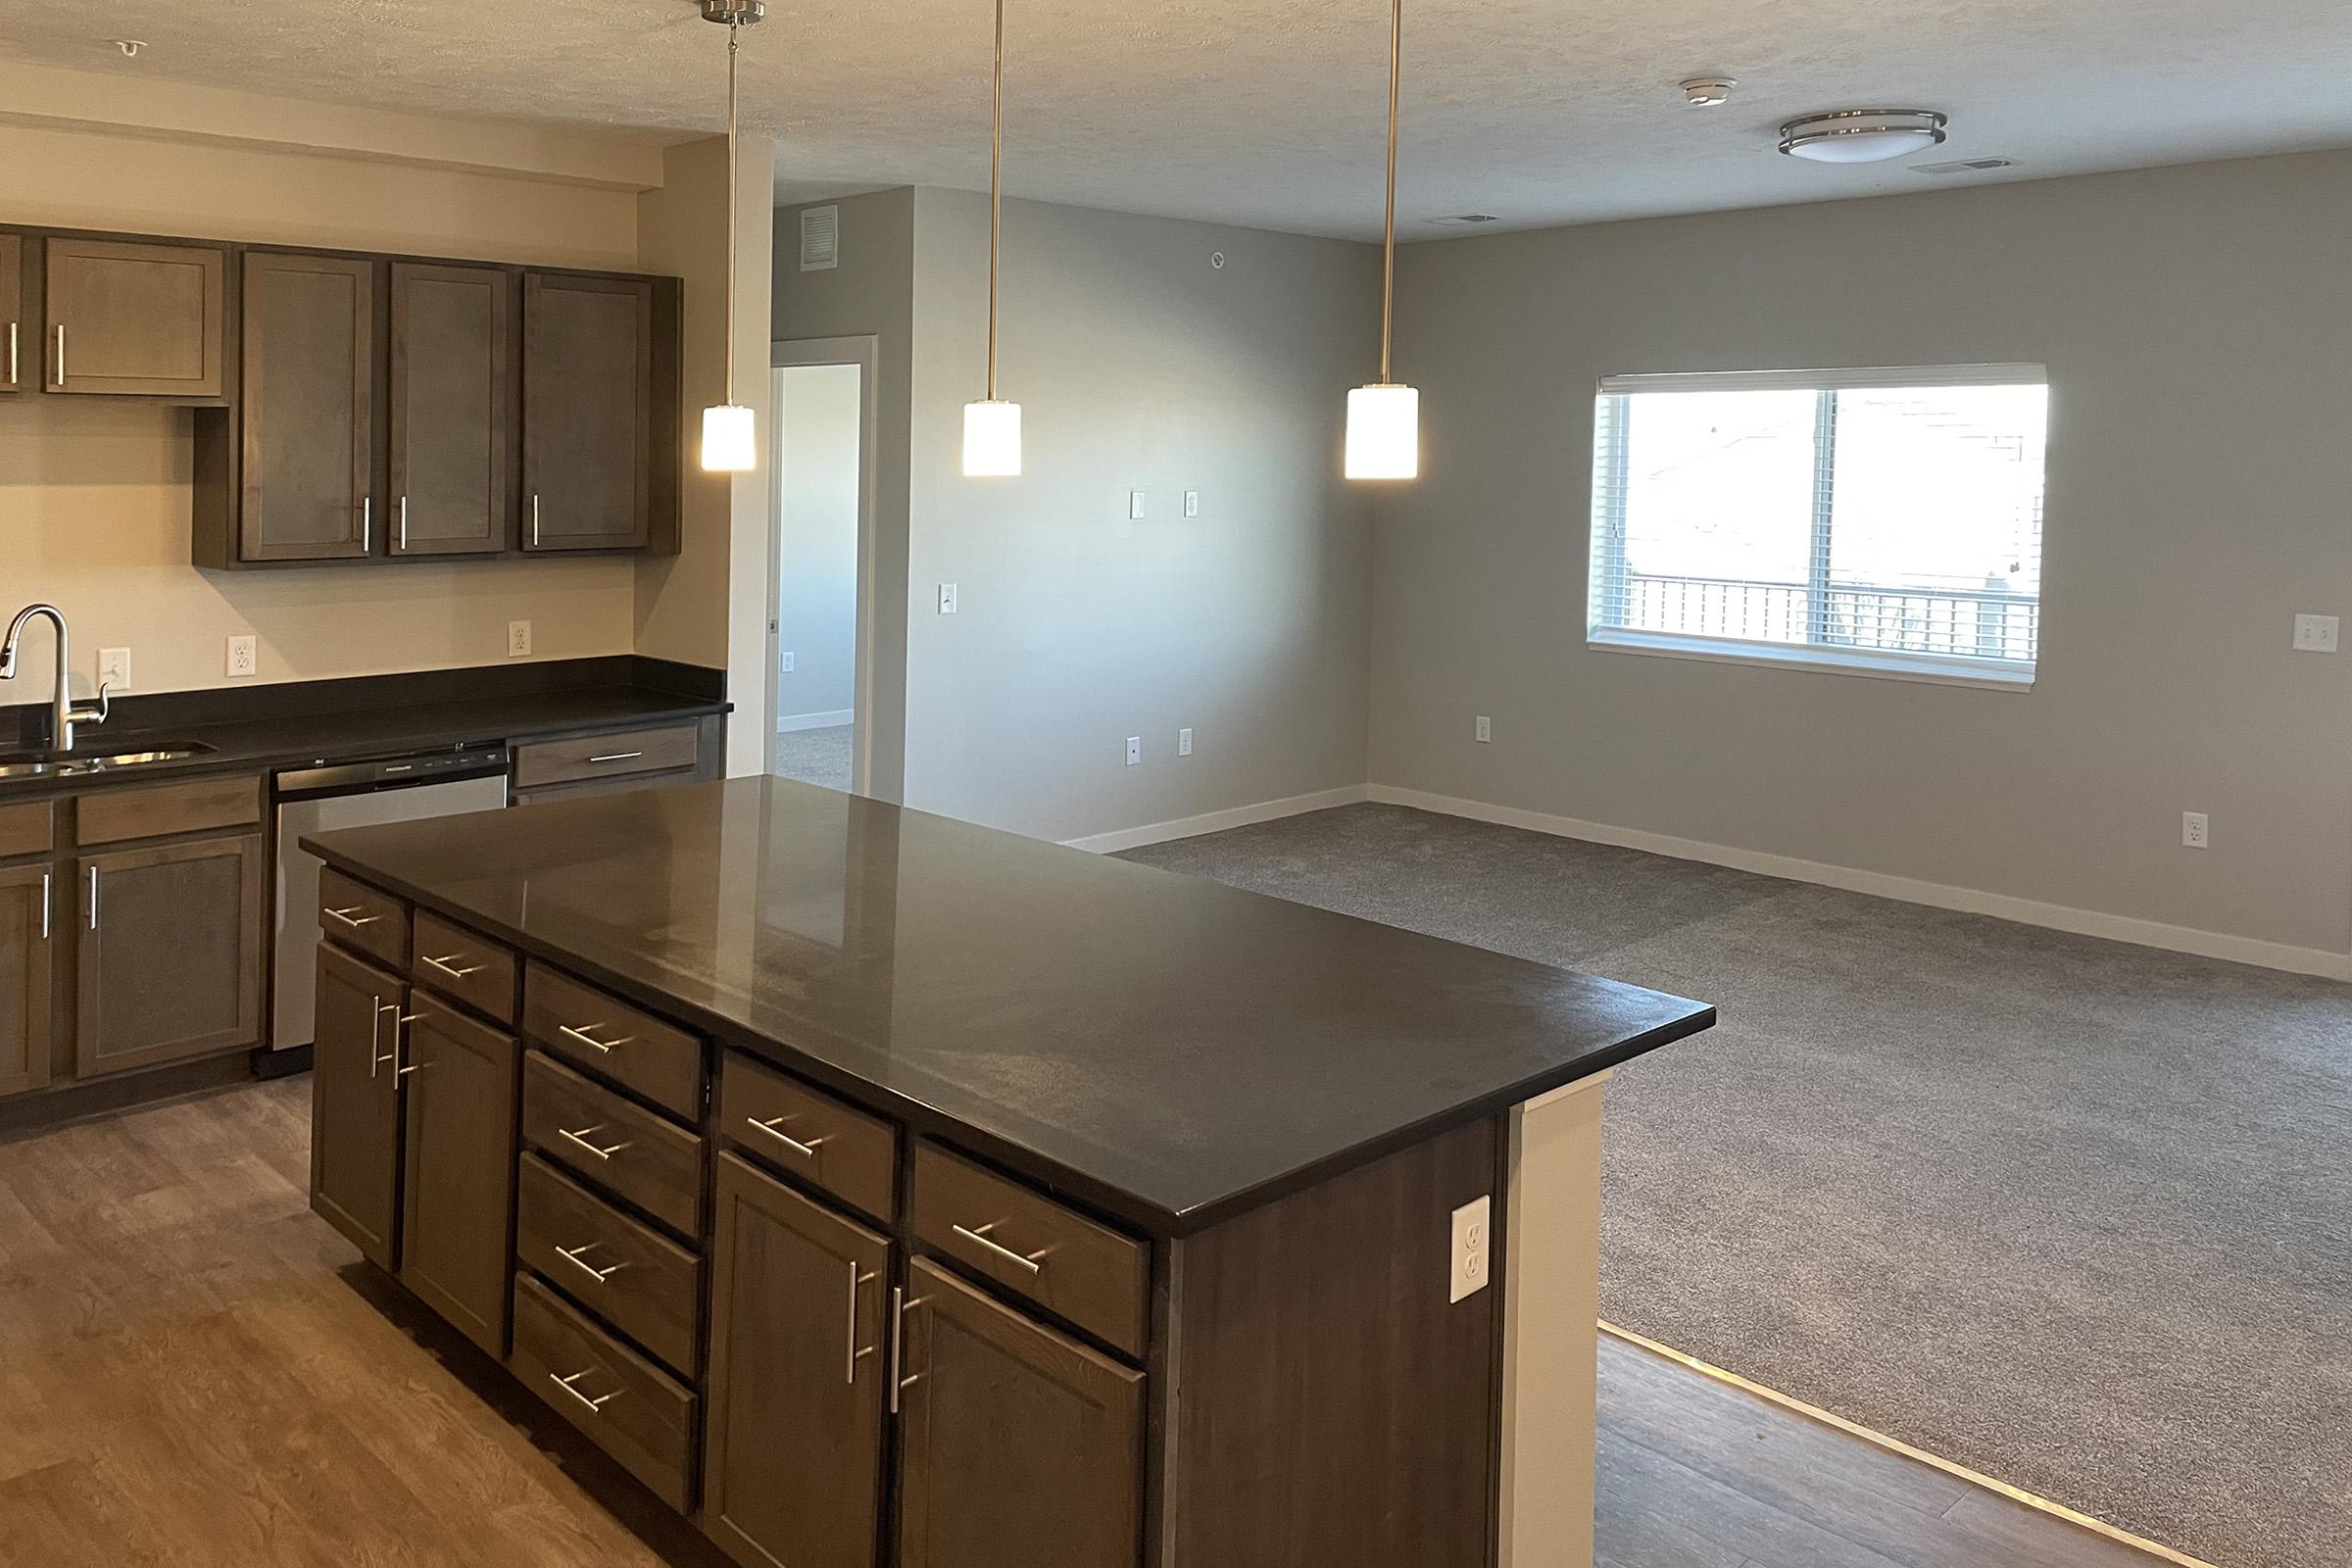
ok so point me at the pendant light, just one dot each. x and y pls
(730, 443)
(991, 426)
(1384, 419)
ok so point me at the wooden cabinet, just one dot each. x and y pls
(458, 1175)
(307, 424)
(452, 409)
(355, 1105)
(169, 960)
(20, 355)
(27, 935)
(793, 1423)
(1018, 1448)
(588, 449)
(135, 318)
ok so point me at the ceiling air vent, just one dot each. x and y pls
(1467, 219)
(1966, 166)
(820, 239)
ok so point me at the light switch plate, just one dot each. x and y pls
(947, 599)
(1472, 1234)
(114, 668)
(1135, 505)
(242, 659)
(518, 639)
(2316, 634)
(1184, 742)
(787, 663)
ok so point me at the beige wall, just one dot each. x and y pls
(95, 496)
(2194, 324)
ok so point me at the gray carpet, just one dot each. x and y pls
(2073, 1213)
(816, 755)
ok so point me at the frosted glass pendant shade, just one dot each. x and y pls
(1384, 432)
(729, 444)
(992, 439)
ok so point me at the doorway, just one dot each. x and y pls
(821, 511)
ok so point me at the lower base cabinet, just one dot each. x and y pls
(458, 1175)
(354, 1105)
(25, 935)
(171, 954)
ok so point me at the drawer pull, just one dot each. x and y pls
(571, 1256)
(581, 1138)
(773, 1127)
(618, 757)
(1034, 1263)
(587, 1038)
(351, 917)
(445, 966)
(596, 1406)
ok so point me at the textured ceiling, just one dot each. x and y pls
(1269, 112)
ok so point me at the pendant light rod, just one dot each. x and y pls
(1387, 267)
(996, 196)
(734, 44)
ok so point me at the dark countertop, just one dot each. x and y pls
(1170, 1050)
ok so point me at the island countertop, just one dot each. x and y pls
(1170, 1050)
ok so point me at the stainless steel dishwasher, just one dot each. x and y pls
(310, 800)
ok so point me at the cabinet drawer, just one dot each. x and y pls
(463, 967)
(200, 806)
(632, 1409)
(636, 1280)
(795, 1128)
(27, 830)
(1066, 1263)
(636, 751)
(363, 920)
(609, 1037)
(616, 1144)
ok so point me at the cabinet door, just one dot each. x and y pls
(171, 953)
(136, 319)
(452, 400)
(355, 1105)
(25, 931)
(310, 409)
(587, 418)
(458, 1181)
(19, 356)
(793, 1441)
(1018, 1448)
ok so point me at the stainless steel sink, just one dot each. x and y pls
(81, 761)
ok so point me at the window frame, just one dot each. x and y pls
(1606, 553)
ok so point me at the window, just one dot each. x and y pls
(1887, 522)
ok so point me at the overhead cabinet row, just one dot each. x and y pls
(370, 408)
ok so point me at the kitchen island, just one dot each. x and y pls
(882, 1189)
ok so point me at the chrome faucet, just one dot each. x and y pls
(64, 711)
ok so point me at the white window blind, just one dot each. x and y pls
(1884, 520)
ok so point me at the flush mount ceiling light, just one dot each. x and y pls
(991, 426)
(1384, 419)
(729, 445)
(1707, 92)
(1862, 135)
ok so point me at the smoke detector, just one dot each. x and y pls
(1709, 92)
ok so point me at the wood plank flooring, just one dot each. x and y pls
(195, 1373)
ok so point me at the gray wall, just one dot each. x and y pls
(2195, 325)
(816, 561)
(1139, 366)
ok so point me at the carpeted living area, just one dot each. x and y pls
(2073, 1213)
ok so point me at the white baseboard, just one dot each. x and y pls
(1135, 838)
(1909, 890)
(832, 721)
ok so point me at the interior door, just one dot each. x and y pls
(453, 491)
(793, 1445)
(19, 353)
(355, 1105)
(138, 319)
(999, 1413)
(310, 409)
(26, 933)
(461, 1079)
(587, 422)
(171, 953)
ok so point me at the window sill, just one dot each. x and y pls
(1925, 669)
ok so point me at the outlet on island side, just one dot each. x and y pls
(1471, 1224)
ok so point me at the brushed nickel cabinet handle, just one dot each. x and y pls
(852, 1355)
(899, 1378)
(44, 906)
(12, 354)
(774, 1128)
(586, 1039)
(60, 354)
(404, 524)
(352, 917)
(596, 1406)
(534, 520)
(581, 1138)
(367, 526)
(1034, 1263)
(618, 757)
(571, 1256)
(93, 898)
(444, 965)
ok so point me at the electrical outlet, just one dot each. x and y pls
(1472, 1232)
(2316, 634)
(1135, 505)
(1485, 729)
(242, 659)
(1135, 750)
(1192, 503)
(518, 639)
(2196, 833)
(947, 599)
(114, 668)
(1184, 742)
(787, 663)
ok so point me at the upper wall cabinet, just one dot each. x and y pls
(136, 320)
(452, 409)
(309, 408)
(598, 466)
(16, 336)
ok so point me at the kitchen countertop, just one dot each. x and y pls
(1171, 1051)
